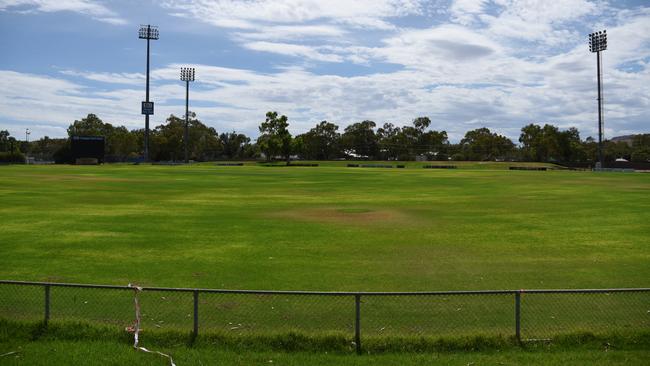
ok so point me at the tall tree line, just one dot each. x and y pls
(325, 141)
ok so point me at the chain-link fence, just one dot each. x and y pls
(523, 314)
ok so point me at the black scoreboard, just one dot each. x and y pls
(87, 147)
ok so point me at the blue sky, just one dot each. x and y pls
(464, 63)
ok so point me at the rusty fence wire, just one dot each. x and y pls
(523, 314)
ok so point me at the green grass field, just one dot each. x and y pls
(328, 228)
(325, 228)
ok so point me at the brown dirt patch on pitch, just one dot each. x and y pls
(351, 216)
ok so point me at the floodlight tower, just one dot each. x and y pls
(597, 44)
(27, 133)
(148, 32)
(187, 75)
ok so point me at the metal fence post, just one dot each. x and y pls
(357, 322)
(518, 315)
(47, 304)
(196, 313)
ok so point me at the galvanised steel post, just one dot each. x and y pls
(518, 315)
(357, 322)
(196, 314)
(47, 304)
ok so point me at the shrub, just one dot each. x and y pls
(458, 157)
(63, 155)
(641, 156)
(12, 157)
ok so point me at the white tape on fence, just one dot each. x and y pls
(135, 328)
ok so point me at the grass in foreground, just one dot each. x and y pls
(115, 353)
(81, 344)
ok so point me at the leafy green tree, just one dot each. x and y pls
(167, 140)
(8, 143)
(390, 144)
(613, 150)
(570, 147)
(234, 145)
(421, 123)
(531, 140)
(124, 144)
(540, 143)
(9, 149)
(409, 139)
(436, 141)
(45, 147)
(299, 147)
(360, 139)
(641, 148)
(409, 142)
(430, 142)
(63, 155)
(640, 156)
(320, 143)
(91, 125)
(275, 139)
(590, 148)
(481, 144)
(641, 141)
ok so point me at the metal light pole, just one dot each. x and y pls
(187, 75)
(598, 43)
(148, 32)
(27, 133)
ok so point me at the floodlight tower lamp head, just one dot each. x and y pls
(148, 32)
(598, 41)
(187, 73)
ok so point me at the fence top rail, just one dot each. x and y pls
(330, 293)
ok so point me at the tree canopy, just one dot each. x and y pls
(360, 140)
(275, 139)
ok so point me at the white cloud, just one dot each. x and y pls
(284, 32)
(37, 98)
(539, 20)
(437, 47)
(282, 20)
(114, 78)
(295, 11)
(87, 7)
(306, 52)
(466, 11)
